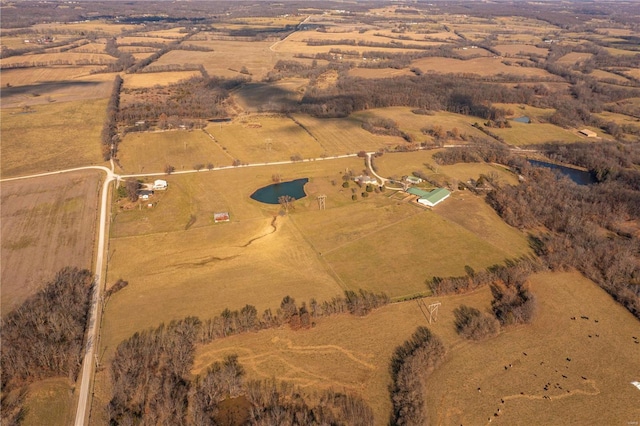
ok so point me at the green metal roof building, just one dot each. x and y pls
(430, 198)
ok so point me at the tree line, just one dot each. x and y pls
(43, 337)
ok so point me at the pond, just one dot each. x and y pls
(270, 194)
(578, 176)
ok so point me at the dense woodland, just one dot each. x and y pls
(44, 336)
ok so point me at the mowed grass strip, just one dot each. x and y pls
(51, 137)
(150, 152)
(265, 138)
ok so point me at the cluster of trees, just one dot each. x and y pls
(411, 365)
(151, 384)
(473, 324)
(584, 224)
(247, 319)
(109, 134)
(43, 337)
(512, 302)
(196, 98)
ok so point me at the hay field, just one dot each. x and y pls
(150, 152)
(173, 272)
(522, 134)
(50, 402)
(618, 118)
(350, 353)
(594, 386)
(109, 28)
(480, 66)
(53, 137)
(140, 38)
(605, 75)
(616, 51)
(62, 58)
(253, 97)
(224, 60)
(47, 223)
(520, 49)
(574, 57)
(137, 81)
(339, 136)
(413, 123)
(34, 76)
(265, 138)
(635, 73)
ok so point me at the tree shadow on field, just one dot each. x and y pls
(44, 88)
(267, 97)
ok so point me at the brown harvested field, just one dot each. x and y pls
(90, 48)
(78, 27)
(51, 137)
(266, 138)
(520, 49)
(350, 353)
(150, 152)
(253, 97)
(64, 58)
(47, 223)
(615, 51)
(605, 75)
(519, 110)
(50, 76)
(572, 356)
(140, 80)
(224, 60)
(480, 66)
(574, 57)
(339, 136)
(171, 33)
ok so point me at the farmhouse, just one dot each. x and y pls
(366, 180)
(144, 194)
(160, 185)
(430, 198)
(588, 133)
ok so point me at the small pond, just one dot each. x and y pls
(578, 176)
(270, 194)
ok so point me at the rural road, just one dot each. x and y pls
(85, 378)
(272, 47)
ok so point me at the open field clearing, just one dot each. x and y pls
(224, 60)
(522, 134)
(605, 75)
(413, 123)
(635, 73)
(51, 137)
(150, 152)
(108, 28)
(339, 136)
(574, 57)
(399, 257)
(378, 72)
(49, 76)
(595, 387)
(520, 49)
(618, 118)
(265, 138)
(534, 113)
(137, 81)
(173, 272)
(253, 97)
(171, 33)
(350, 353)
(50, 402)
(401, 164)
(47, 223)
(59, 58)
(480, 66)
(140, 38)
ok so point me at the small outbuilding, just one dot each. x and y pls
(366, 180)
(413, 179)
(588, 133)
(160, 185)
(524, 119)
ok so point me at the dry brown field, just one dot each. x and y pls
(51, 137)
(224, 60)
(521, 134)
(47, 223)
(574, 57)
(63, 58)
(615, 51)
(345, 136)
(635, 73)
(109, 28)
(39, 75)
(480, 66)
(89, 48)
(378, 72)
(605, 75)
(266, 138)
(140, 80)
(140, 38)
(350, 353)
(171, 33)
(253, 97)
(50, 402)
(520, 49)
(150, 152)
